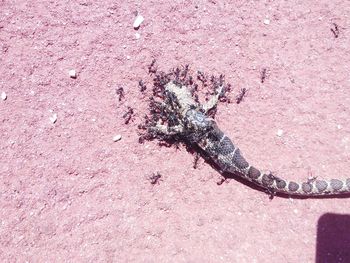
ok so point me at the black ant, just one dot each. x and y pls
(155, 178)
(263, 75)
(120, 92)
(142, 86)
(128, 115)
(241, 95)
(152, 68)
(335, 31)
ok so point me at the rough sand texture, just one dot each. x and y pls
(69, 193)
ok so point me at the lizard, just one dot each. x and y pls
(177, 114)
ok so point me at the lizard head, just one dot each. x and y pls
(198, 121)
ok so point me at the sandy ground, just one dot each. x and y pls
(69, 193)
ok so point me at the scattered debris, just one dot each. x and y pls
(3, 95)
(138, 20)
(73, 74)
(155, 178)
(279, 132)
(266, 21)
(128, 115)
(241, 95)
(120, 93)
(53, 118)
(117, 137)
(335, 30)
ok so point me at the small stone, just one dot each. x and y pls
(138, 20)
(3, 95)
(128, 57)
(279, 132)
(53, 118)
(339, 126)
(117, 137)
(72, 73)
(137, 35)
(266, 21)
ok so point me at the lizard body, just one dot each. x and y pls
(180, 115)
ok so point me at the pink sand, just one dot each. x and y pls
(69, 193)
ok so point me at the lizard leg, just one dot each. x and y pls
(213, 101)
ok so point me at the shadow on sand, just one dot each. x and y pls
(333, 238)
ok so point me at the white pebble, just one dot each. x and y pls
(53, 118)
(72, 73)
(279, 132)
(138, 20)
(266, 21)
(137, 35)
(117, 137)
(128, 57)
(3, 95)
(339, 126)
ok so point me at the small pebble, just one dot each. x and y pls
(279, 133)
(266, 21)
(339, 126)
(3, 95)
(53, 118)
(72, 73)
(137, 35)
(128, 57)
(117, 137)
(138, 20)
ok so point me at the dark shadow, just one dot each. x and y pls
(333, 238)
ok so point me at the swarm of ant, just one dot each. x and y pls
(158, 113)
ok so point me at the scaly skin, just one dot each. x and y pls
(191, 122)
